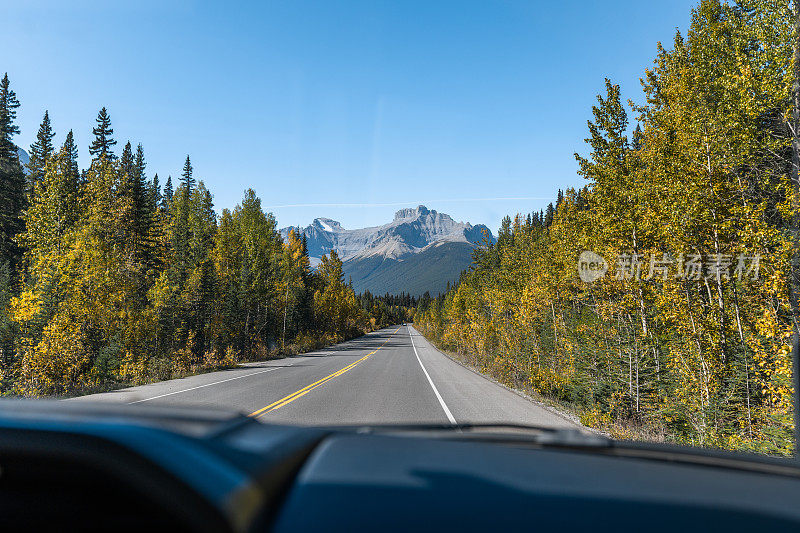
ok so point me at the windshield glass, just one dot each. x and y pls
(565, 214)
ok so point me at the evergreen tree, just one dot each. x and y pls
(103, 140)
(12, 179)
(142, 197)
(140, 165)
(548, 217)
(8, 112)
(41, 150)
(168, 192)
(126, 165)
(182, 232)
(123, 190)
(187, 181)
(207, 223)
(71, 150)
(637, 137)
(155, 194)
(504, 234)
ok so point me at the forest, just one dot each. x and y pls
(108, 278)
(696, 174)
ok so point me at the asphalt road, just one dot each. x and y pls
(390, 376)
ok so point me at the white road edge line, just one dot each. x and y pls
(201, 386)
(435, 390)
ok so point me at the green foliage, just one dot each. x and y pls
(103, 143)
(703, 361)
(7, 329)
(41, 150)
(120, 284)
(13, 199)
(168, 191)
(389, 309)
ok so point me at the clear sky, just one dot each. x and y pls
(335, 102)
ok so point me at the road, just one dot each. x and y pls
(393, 375)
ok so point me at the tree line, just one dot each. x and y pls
(656, 348)
(107, 277)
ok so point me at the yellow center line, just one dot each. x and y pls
(308, 388)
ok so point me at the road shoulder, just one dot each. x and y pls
(570, 418)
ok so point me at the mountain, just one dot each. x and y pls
(415, 273)
(23, 158)
(420, 250)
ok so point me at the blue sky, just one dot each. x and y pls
(452, 104)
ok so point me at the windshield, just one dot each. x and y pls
(572, 215)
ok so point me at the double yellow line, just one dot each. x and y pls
(308, 388)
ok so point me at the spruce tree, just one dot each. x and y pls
(71, 150)
(504, 234)
(187, 180)
(548, 217)
(139, 163)
(155, 194)
(142, 212)
(12, 179)
(126, 160)
(103, 142)
(182, 233)
(168, 192)
(154, 202)
(8, 112)
(41, 150)
(636, 140)
(124, 188)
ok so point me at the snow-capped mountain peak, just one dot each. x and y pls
(411, 231)
(419, 250)
(326, 224)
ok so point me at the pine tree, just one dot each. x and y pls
(637, 137)
(168, 192)
(155, 194)
(71, 150)
(140, 164)
(548, 217)
(208, 223)
(126, 166)
(504, 236)
(187, 180)
(182, 232)
(103, 142)
(41, 150)
(123, 191)
(142, 212)
(158, 221)
(12, 179)
(8, 112)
